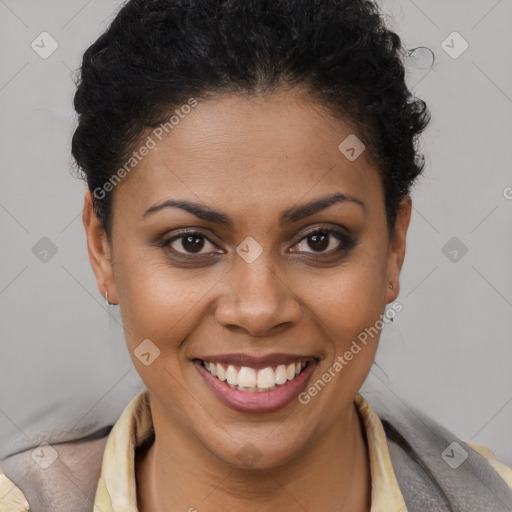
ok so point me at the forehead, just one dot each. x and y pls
(249, 153)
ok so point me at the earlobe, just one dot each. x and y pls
(99, 250)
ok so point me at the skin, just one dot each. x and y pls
(251, 159)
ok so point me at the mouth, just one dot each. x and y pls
(249, 384)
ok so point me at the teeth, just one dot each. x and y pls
(281, 374)
(247, 378)
(221, 373)
(232, 375)
(266, 378)
(252, 380)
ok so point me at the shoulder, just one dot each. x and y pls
(424, 455)
(504, 471)
(62, 476)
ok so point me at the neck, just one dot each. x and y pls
(334, 471)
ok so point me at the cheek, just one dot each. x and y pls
(347, 305)
(160, 302)
(346, 300)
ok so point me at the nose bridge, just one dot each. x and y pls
(261, 299)
(256, 273)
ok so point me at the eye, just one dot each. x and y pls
(323, 240)
(187, 243)
(326, 241)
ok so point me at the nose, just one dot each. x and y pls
(257, 301)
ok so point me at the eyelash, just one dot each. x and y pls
(347, 242)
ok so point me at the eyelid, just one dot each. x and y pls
(329, 229)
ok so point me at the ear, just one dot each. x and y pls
(396, 252)
(100, 254)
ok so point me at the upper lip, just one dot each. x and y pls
(258, 362)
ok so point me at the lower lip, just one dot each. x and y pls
(259, 401)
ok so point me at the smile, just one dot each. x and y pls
(264, 386)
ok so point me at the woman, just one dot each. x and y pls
(249, 167)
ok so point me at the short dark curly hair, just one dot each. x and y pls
(157, 54)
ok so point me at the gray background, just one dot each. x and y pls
(64, 367)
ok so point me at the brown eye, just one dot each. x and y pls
(318, 241)
(325, 241)
(192, 243)
(188, 243)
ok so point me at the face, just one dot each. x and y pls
(263, 283)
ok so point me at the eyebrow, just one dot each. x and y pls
(290, 215)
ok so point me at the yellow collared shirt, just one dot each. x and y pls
(116, 491)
